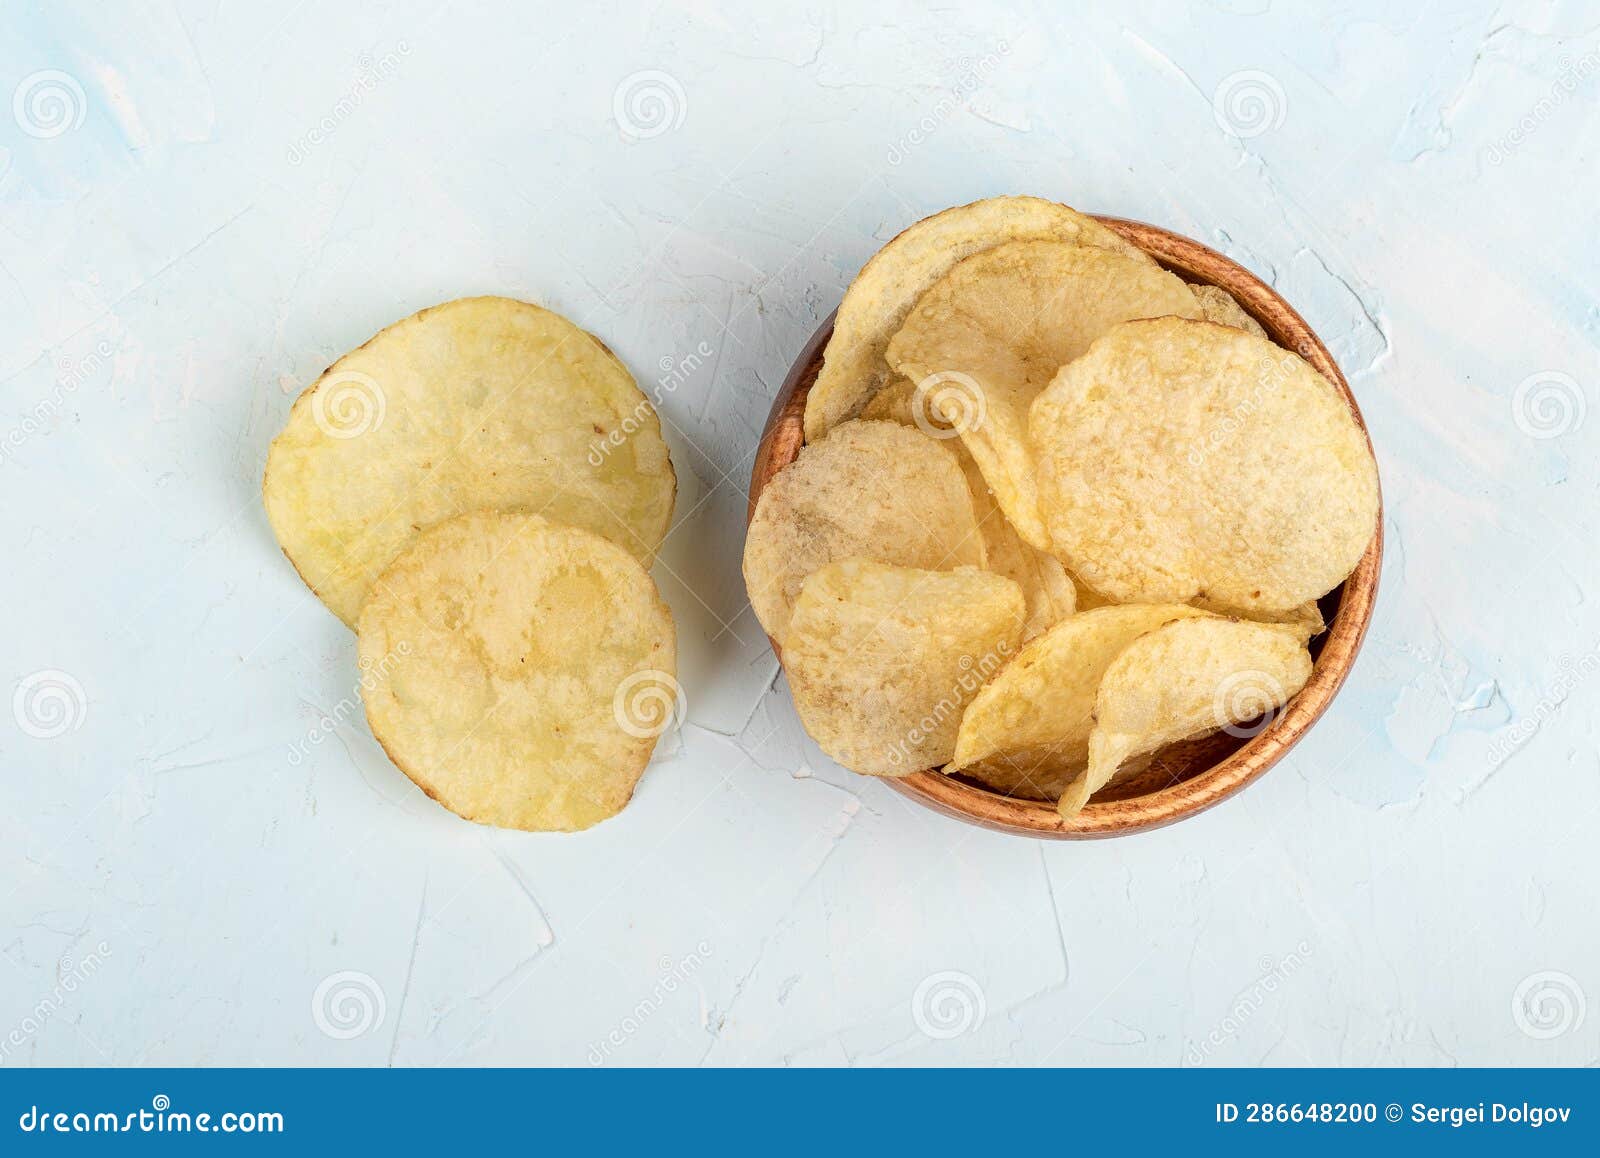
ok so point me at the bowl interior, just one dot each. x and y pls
(1187, 777)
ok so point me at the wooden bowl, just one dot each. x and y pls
(1187, 777)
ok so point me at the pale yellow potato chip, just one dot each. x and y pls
(1182, 460)
(1304, 620)
(1046, 586)
(1029, 726)
(519, 670)
(998, 327)
(1185, 679)
(1219, 306)
(477, 403)
(884, 291)
(874, 489)
(882, 660)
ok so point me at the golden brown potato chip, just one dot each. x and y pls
(519, 670)
(1183, 460)
(1187, 678)
(1219, 306)
(874, 489)
(1046, 586)
(478, 403)
(883, 292)
(1000, 325)
(1029, 725)
(881, 660)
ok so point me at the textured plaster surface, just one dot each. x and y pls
(207, 859)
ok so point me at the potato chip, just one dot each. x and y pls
(1305, 621)
(1182, 460)
(1185, 679)
(887, 286)
(991, 334)
(478, 403)
(1046, 586)
(518, 670)
(1219, 306)
(882, 660)
(1029, 726)
(874, 489)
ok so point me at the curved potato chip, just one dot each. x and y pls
(1183, 460)
(1304, 620)
(477, 403)
(1030, 724)
(993, 332)
(1185, 679)
(1046, 586)
(518, 670)
(873, 489)
(881, 660)
(887, 286)
(1219, 306)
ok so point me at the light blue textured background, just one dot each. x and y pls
(202, 205)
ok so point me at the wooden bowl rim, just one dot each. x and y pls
(783, 437)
